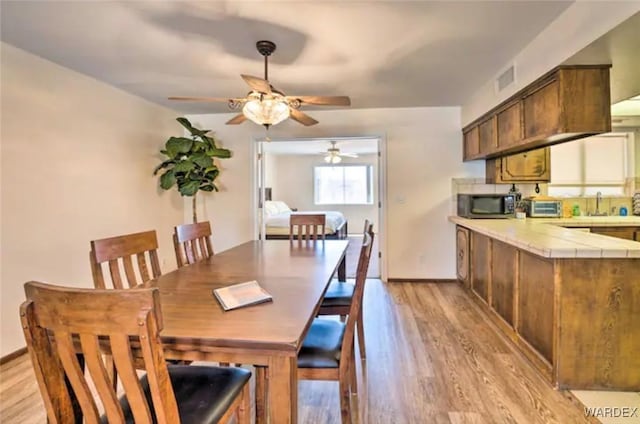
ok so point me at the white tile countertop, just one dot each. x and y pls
(547, 237)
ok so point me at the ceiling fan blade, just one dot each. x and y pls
(238, 119)
(349, 155)
(302, 117)
(323, 100)
(257, 84)
(204, 99)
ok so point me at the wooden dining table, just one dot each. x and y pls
(269, 335)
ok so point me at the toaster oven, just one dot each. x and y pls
(543, 208)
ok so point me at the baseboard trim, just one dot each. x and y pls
(13, 355)
(421, 280)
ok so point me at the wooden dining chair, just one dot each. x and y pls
(119, 253)
(307, 226)
(60, 322)
(337, 301)
(192, 243)
(327, 352)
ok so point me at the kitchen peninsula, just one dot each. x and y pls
(568, 299)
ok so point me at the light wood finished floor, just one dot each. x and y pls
(431, 358)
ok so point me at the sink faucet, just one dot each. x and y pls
(598, 201)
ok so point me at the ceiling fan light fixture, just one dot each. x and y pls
(333, 159)
(265, 110)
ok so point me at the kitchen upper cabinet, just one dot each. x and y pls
(532, 166)
(542, 111)
(487, 134)
(509, 124)
(568, 103)
(471, 148)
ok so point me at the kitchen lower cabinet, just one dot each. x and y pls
(462, 255)
(535, 303)
(504, 268)
(481, 265)
(627, 233)
(575, 319)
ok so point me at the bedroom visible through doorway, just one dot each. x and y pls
(339, 177)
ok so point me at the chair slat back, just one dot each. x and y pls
(118, 253)
(192, 243)
(307, 226)
(61, 322)
(358, 292)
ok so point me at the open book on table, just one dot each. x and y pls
(239, 295)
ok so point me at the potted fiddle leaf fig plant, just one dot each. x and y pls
(190, 164)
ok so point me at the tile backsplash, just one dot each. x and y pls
(586, 204)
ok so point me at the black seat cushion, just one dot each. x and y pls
(338, 294)
(321, 348)
(203, 393)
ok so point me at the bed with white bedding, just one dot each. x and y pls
(277, 221)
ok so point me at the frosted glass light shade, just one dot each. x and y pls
(332, 159)
(266, 111)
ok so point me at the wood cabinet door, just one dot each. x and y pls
(542, 111)
(503, 279)
(481, 265)
(627, 233)
(509, 125)
(534, 165)
(471, 144)
(487, 136)
(462, 255)
(535, 303)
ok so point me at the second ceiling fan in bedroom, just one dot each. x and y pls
(266, 105)
(334, 155)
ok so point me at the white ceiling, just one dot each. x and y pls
(621, 48)
(381, 53)
(360, 146)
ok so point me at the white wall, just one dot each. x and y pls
(424, 151)
(77, 162)
(580, 24)
(298, 192)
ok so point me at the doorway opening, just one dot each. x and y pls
(340, 176)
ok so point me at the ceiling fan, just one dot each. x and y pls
(264, 104)
(333, 154)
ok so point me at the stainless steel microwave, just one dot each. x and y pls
(486, 205)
